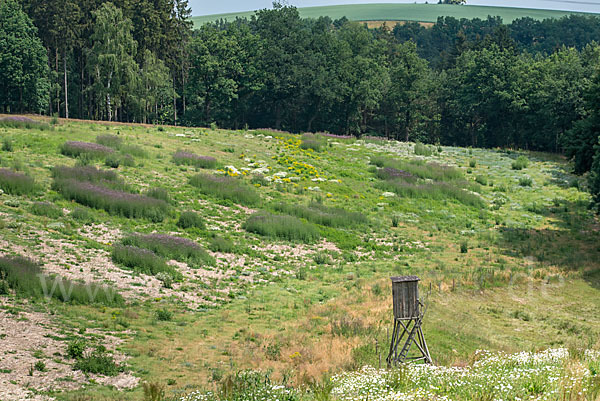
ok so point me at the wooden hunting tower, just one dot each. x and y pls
(408, 317)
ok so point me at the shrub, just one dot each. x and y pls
(482, 180)
(525, 182)
(422, 150)
(464, 247)
(16, 183)
(521, 163)
(164, 315)
(320, 214)
(93, 150)
(220, 244)
(178, 248)
(26, 278)
(46, 209)
(190, 220)
(40, 366)
(472, 163)
(141, 260)
(192, 159)
(98, 362)
(165, 278)
(108, 140)
(282, 227)
(226, 188)
(7, 145)
(113, 160)
(115, 202)
(76, 348)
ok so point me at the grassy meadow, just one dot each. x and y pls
(248, 264)
(403, 12)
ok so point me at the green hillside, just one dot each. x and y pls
(404, 12)
(213, 251)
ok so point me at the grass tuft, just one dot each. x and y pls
(437, 191)
(46, 209)
(16, 183)
(282, 227)
(226, 188)
(141, 260)
(190, 220)
(108, 140)
(320, 214)
(26, 278)
(420, 169)
(191, 159)
(521, 163)
(422, 150)
(115, 202)
(172, 247)
(87, 149)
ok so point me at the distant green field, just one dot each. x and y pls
(404, 12)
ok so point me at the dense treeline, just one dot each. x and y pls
(121, 60)
(530, 84)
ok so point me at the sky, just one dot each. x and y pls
(206, 7)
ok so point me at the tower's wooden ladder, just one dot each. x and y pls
(410, 339)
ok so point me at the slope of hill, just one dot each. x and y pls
(213, 251)
(404, 12)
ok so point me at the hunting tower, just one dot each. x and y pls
(408, 317)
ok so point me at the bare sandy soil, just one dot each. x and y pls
(27, 338)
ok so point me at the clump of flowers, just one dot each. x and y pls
(182, 157)
(77, 148)
(525, 375)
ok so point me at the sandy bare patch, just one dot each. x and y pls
(29, 337)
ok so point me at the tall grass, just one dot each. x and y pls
(420, 168)
(20, 122)
(282, 227)
(133, 150)
(141, 260)
(320, 214)
(521, 163)
(111, 141)
(192, 159)
(114, 201)
(190, 220)
(422, 150)
(90, 150)
(16, 183)
(169, 246)
(159, 193)
(46, 209)
(226, 188)
(90, 174)
(391, 173)
(313, 142)
(436, 190)
(26, 278)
